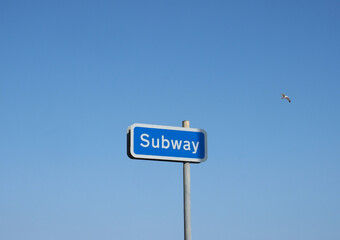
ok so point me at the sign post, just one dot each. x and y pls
(186, 194)
(176, 144)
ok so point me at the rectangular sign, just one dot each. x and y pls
(155, 142)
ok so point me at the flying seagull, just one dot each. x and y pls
(285, 97)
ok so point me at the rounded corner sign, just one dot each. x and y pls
(165, 143)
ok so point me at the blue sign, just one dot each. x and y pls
(166, 143)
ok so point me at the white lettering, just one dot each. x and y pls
(166, 143)
(144, 140)
(195, 147)
(186, 146)
(176, 144)
(164, 140)
(153, 144)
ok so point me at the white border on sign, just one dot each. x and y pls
(165, 158)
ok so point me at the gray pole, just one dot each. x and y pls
(186, 194)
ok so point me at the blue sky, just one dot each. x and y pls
(75, 74)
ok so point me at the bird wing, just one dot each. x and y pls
(288, 99)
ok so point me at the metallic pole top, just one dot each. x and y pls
(186, 123)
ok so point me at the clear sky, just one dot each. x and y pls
(75, 74)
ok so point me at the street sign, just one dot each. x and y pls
(165, 143)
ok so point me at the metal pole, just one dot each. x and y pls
(186, 194)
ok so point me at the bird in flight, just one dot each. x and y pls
(284, 96)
